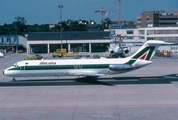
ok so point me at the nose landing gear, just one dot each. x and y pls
(13, 80)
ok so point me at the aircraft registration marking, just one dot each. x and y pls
(78, 66)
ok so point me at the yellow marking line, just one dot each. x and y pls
(118, 80)
(148, 78)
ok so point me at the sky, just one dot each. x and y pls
(47, 11)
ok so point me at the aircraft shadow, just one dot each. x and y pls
(147, 80)
(166, 79)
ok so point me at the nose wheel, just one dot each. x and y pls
(13, 80)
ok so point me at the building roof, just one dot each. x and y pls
(68, 35)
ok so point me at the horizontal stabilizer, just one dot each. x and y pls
(158, 42)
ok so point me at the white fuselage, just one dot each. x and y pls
(66, 67)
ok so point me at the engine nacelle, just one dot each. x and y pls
(117, 67)
(126, 51)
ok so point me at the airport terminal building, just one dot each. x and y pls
(71, 41)
(169, 34)
(47, 42)
(99, 41)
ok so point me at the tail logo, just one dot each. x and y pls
(144, 56)
(146, 52)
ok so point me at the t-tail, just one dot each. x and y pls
(143, 56)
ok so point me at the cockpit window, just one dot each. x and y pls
(15, 64)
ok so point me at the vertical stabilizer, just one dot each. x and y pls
(147, 51)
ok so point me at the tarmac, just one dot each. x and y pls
(149, 93)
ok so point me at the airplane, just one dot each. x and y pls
(1, 55)
(85, 67)
(116, 49)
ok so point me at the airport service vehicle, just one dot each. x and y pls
(1, 55)
(59, 53)
(85, 67)
(163, 53)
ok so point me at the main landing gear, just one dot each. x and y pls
(90, 78)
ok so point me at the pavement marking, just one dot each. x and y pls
(156, 115)
(41, 81)
(97, 106)
(118, 80)
(148, 78)
(51, 117)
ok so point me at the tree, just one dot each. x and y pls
(7, 29)
(19, 24)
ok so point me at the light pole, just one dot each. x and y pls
(61, 6)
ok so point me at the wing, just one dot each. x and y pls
(85, 73)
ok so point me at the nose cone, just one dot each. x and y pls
(5, 72)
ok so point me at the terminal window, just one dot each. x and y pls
(129, 31)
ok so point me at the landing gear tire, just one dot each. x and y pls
(90, 78)
(13, 80)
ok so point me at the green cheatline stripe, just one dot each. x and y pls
(61, 67)
(150, 53)
(130, 62)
